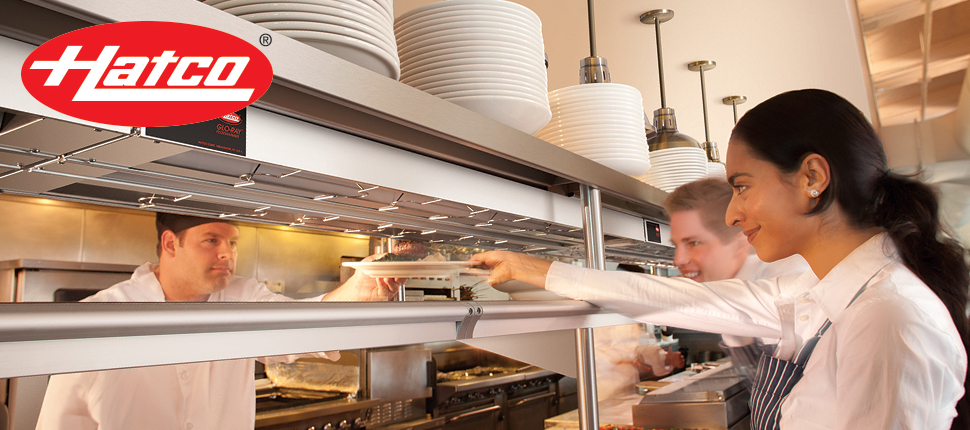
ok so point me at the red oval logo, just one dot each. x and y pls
(231, 118)
(146, 73)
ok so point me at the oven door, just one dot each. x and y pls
(476, 419)
(530, 413)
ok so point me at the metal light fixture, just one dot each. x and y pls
(664, 119)
(709, 147)
(593, 69)
(734, 101)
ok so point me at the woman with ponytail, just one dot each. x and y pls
(874, 337)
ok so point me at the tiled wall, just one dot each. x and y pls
(305, 262)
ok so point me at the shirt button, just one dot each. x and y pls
(184, 375)
(188, 426)
(803, 300)
(803, 317)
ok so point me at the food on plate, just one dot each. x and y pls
(406, 250)
(410, 250)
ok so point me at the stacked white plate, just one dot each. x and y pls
(483, 55)
(716, 170)
(673, 167)
(602, 122)
(359, 31)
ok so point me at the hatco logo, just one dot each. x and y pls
(231, 118)
(147, 74)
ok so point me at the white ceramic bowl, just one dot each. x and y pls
(446, 76)
(471, 35)
(509, 62)
(415, 63)
(483, 24)
(606, 135)
(625, 166)
(480, 14)
(516, 112)
(490, 93)
(338, 9)
(351, 49)
(367, 7)
(602, 121)
(525, 73)
(602, 112)
(615, 143)
(454, 5)
(486, 89)
(431, 49)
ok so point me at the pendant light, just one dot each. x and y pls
(709, 147)
(734, 101)
(593, 69)
(664, 119)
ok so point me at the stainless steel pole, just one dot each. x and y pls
(585, 349)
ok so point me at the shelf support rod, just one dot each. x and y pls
(585, 347)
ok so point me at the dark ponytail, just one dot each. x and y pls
(791, 126)
(909, 211)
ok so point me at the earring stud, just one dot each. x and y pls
(813, 193)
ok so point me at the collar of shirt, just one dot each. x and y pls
(144, 276)
(836, 290)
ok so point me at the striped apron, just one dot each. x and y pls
(776, 377)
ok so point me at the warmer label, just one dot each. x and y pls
(147, 74)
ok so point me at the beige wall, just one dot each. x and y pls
(762, 48)
(305, 262)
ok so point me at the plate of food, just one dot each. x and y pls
(411, 269)
(410, 259)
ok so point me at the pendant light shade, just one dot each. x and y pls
(664, 119)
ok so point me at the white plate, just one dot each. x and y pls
(467, 74)
(626, 166)
(332, 29)
(483, 24)
(411, 269)
(405, 26)
(415, 63)
(521, 114)
(533, 66)
(335, 8)
(351, 49)
(467, 89)
(453, 5)
(475, 68)
(433, 49)
(472, 36)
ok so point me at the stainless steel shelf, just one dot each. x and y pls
(47, 338)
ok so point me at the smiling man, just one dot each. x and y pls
(707, 249)
(196, 263)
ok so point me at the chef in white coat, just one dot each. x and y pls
(197, 263)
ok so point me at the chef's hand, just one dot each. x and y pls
(506, 266)
(363, 288)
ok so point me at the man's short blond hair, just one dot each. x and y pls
(710, 198)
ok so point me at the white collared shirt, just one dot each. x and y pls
(893, 360)
(207, 395)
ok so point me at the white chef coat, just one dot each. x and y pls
(893, 360)
(208, 395)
